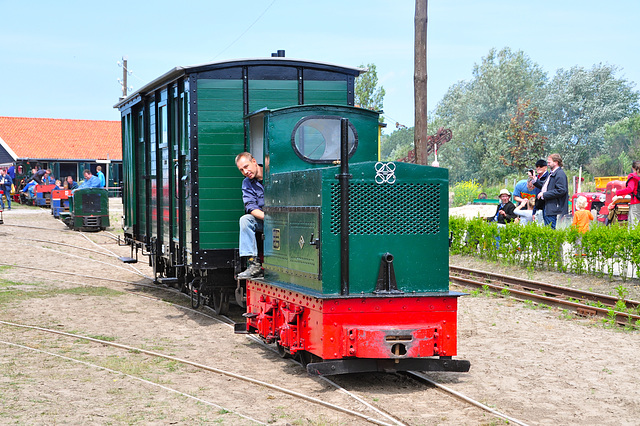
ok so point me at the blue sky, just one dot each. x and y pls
(59, 59)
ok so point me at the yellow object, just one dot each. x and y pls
(601, 182)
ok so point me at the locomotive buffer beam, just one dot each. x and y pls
(364, 365)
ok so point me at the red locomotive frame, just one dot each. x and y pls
(345, 332)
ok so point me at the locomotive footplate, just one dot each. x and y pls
(364, 365)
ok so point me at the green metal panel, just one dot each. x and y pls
(220, 139)
(407, 218)
(288, 252)
(325, 92)
(272, 94)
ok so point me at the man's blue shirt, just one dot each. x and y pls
(252, 194)
(92, 182)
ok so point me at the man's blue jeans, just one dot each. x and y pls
(551, 220)
(249, 225)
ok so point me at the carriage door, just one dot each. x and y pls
(164, 195)
(174, 195)
(184, 175)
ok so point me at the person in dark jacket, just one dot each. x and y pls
(41, 175)
(555, 192)
(505, 210)
(538, 178)
(5, 186)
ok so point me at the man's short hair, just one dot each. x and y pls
(85, 171)
(245, 154)
(99, 168)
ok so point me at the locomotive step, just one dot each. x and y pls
(128, 259)
(167, 281)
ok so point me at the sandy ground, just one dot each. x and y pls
(537, 365)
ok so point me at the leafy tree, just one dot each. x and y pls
(526, 144)
(621, 147)
(397, 144)
(577, 105)
(367, 93)
(478, 113)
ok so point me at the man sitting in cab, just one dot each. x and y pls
(253, 220)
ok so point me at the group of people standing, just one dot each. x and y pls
(542, 198)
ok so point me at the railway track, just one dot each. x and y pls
(384, 416)
(420, 377)
(583, 303)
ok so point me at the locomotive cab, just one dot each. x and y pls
(355, 250)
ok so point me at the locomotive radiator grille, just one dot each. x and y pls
(91, 221)
(399, 209)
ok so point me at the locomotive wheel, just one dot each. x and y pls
(282, 351)
(194, 291)
(220, 302)
(305, 358)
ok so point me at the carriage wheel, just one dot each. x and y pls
(194, 291)
(240, 297)
(220, 302)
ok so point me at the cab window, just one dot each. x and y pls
(316, 139)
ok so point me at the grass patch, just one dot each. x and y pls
(9, 284)
(102, 337)
(90, 291)
(148, 368)
(10, 294)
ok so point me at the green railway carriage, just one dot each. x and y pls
(180, 135)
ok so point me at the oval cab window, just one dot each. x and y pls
(316, 139)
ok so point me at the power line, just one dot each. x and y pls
(245, 31)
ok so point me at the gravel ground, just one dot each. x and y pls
(539, 366)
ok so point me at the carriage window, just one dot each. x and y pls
(316, 139)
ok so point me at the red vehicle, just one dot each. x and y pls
(595, 201)
(601, 201)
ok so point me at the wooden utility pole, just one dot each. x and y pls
(124, 77)
(420, 82)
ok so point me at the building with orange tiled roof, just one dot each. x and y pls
(65, 146)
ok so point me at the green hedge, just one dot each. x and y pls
(602, 251)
